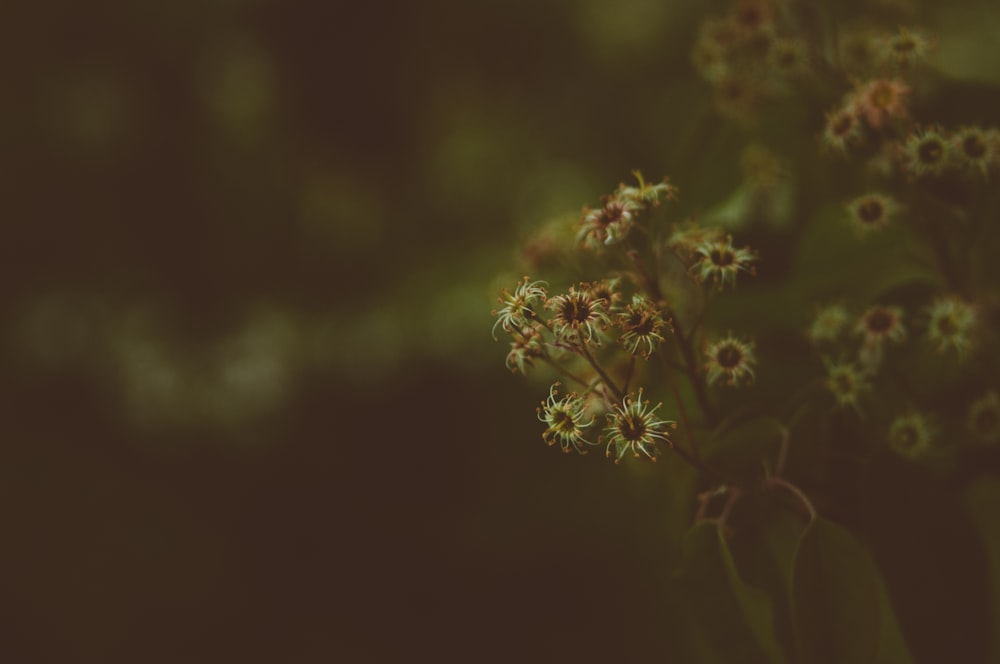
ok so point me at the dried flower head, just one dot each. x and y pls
(647, 194)
(881, 100)
(879, 324)
(564, 420)
(950, 325)
(578, 315)
(518, 310)
(903, 49)
(910, 435)
(608, 290)
(842, 129)
(687, 237)
(642, 324)
(633, 426)
(846, 382)
(720, 262)
(828, 323)
(927, 152)
(608, 224)
(528, 346)
(974, 149)
(984, 418)
(731, 359)
(871, 212)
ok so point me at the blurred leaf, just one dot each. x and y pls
(735, 620)
(841, 611)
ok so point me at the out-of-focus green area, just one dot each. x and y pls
(251, 406)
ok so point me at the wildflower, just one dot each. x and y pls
(910, 435)
(564, 419)
(518, 309)
(641, 324)
(647, 193)
(608, 290)
(525, 349)
(720, 262)
(577, 314)
(984, 418)
(842, 129)
(927, 153)
(880, 323)
(633, 426)
(846, 382)
(871, 212)
(608, 224)
(881, 100)
(950, 325)
(974, 149)
(904, 49)
(732, 359)
(827, 324)
(684, 241)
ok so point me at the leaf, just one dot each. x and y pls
(840, 609)
(732, 619)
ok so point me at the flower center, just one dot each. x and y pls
(871, 211)
(907, 437)
(576, 310)
(930, 151)
(947, 327)
(561, 421)
(632, 428)
(729, 357)
(843, 124)
(880, 321)
(722, 258)
(974, 147)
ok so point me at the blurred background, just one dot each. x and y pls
(251, 406)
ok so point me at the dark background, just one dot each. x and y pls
(251, 407)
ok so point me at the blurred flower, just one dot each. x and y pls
(871, 212)
(881, 100)
(564, 419)
(903, 49)
(984, 418)
(950, 325)
(633, 426)
(910, 435)
(828, 323)
(927, 153)
(525, 349)
(974, 149)
(846, 382)
(732, 359)
(842, 129)
(881, 323)
(608, 224)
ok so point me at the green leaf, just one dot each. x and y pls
(840, 608)
(732, 621)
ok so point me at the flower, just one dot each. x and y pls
(984, 418)
(641, 324)
(904, 49)
(846, 382)
(871, 212)
(686, 239)
(950, 325)
(732, 359)
(828, 324)
(518, 310)
(910, 435)
(525, 349)
(633, 426)
(880, 100)
(608, 224)
(927, 153)
(564, 418)
(577, 314)
(880, 323)
(720, 262)
(842, 128)
(646, 194)
(974, 149)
